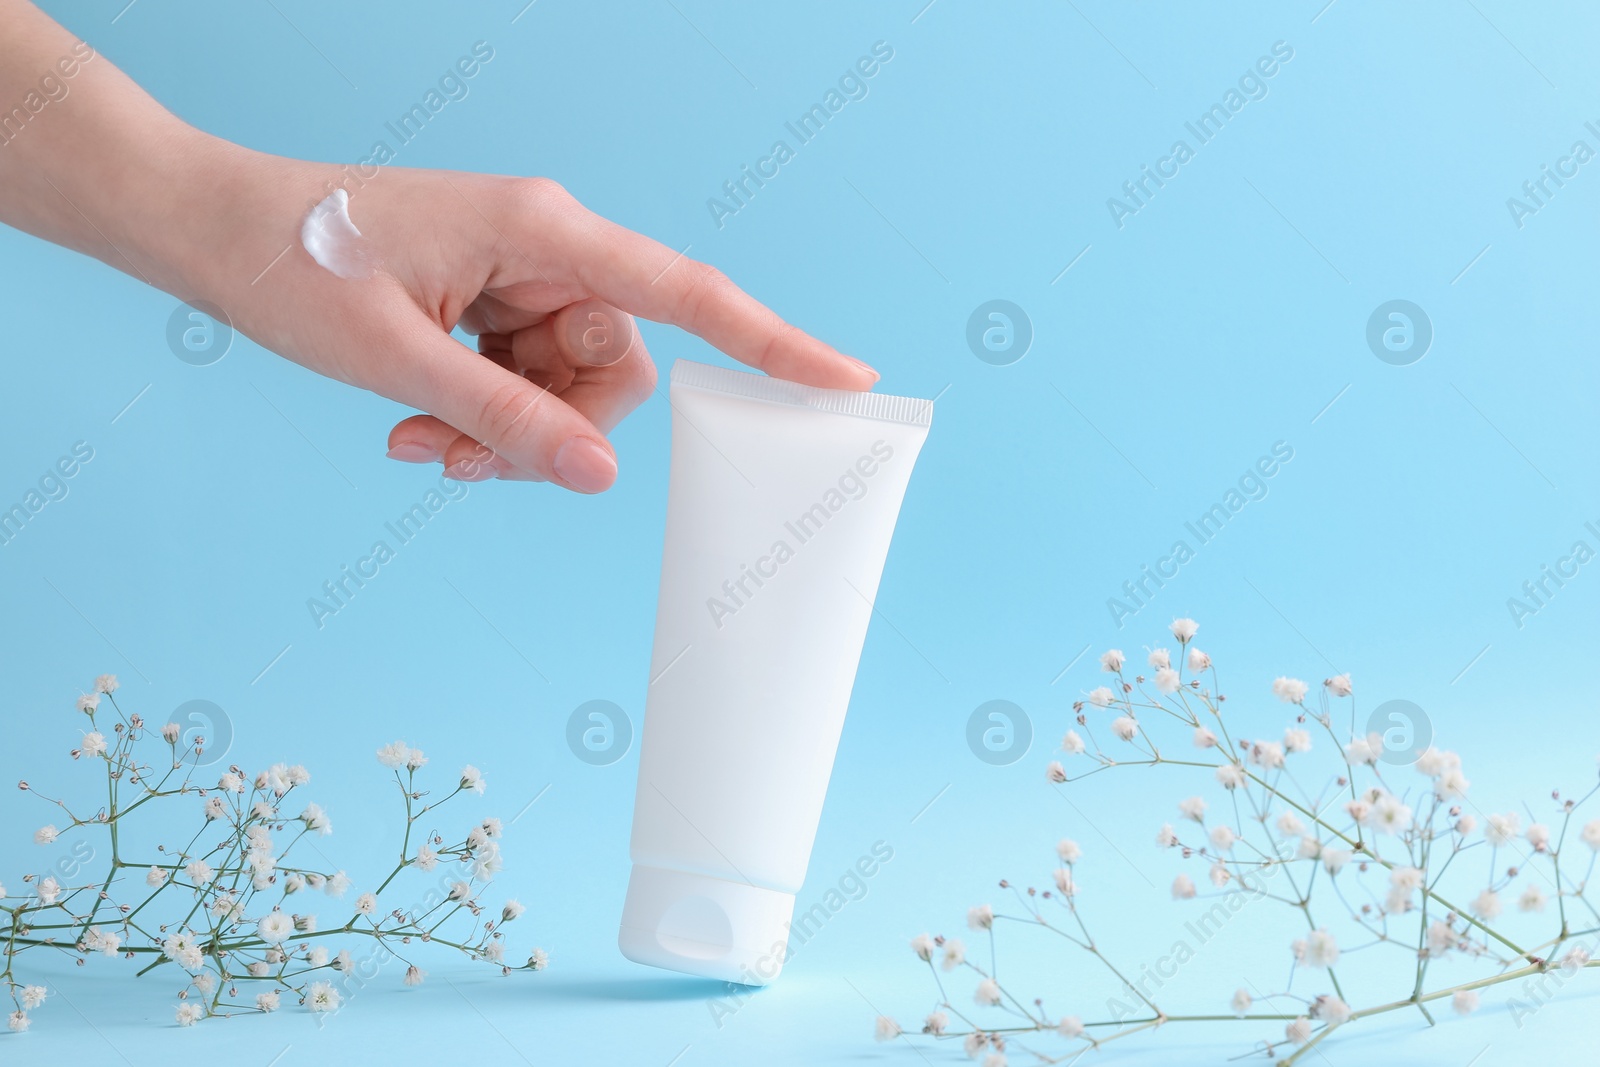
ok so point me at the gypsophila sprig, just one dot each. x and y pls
(1366, 855)
(234, 909)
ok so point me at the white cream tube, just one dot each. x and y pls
(781, 505)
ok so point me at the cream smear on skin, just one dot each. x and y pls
(334, 242)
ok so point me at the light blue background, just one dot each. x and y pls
(1225, 316)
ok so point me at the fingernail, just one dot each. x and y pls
(469, 470)
(865, 367)
(414, 452)
(585, 465)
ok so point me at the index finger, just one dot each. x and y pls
(648, 279)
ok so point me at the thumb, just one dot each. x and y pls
(525, 425)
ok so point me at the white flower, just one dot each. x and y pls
(885, 1029)
(1502, 828)
(1125, 727)
(1408, 879)
(1318, 949)
(1166, 837)
(1532, 898)
(189, 1013)
(1466, 824)
(1289, 690)
(923, 946)
(1183, 888)
(512, 909)
(460, 891)
(1167, 680)
(1298, 1031)
(1063, 880)
(33, 996)
(1184, 629)
(215, 808)
(337, 885)
(1590, 834)
(366, 904)
(17, 1021)
(1465, 1002)
(322, 997)
(1199, 661)
(1068, 850)
(205, 982)
(1441, 938)
(316, 819)
(1241, 1002)
(427, 859)
(1487, 905)
(1331, 1010)
(1073, 745)
(106, 683)
(155, 877)
(297, 775)
(995, 1059)
(1230, 775)
(1360, 810)
(980, 917)
(415, 975)
(170, 732)
(472, 778)
(305, 924)
(539, 959)
(88, 703)
(1160, 659)
(1193, 808)
(275, 928)
(1101, 697)
(344, 962)
(1432, 762)
(1070, 1026)
(988, 992)
(45, 835)
(1338, 685)
(1267, 754)
(1055, 772)
(267, 1001)
(317, 956)
(1452, 783)
(1289, 825)
(1297, 740)
(198, 871)
(1219, 875)
(393, 755)
(1389, 815)
(1577, 956)
(1334, 859)
(1111, 662)
(491, 826)
(955, 954)
(1222, 837)
(48, 889)
(1309, 848)
(935, 1023)
(94, 743)
(1204, 738)
(1539, 837)
(1364, 749)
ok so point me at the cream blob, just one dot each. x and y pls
(333, 240)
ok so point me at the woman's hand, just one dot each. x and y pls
(547, 286)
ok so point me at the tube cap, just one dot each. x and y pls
(705, 926)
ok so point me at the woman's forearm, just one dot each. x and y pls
(88, 159)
